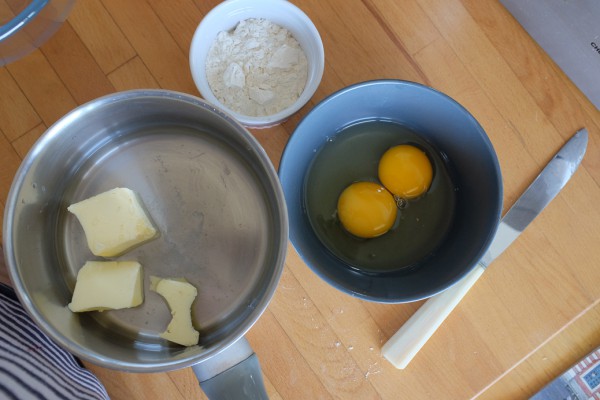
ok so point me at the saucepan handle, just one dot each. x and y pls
(233, 374)
(406, 343)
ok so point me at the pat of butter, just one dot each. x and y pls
(108, 285)
(179, 295)
(113, 222)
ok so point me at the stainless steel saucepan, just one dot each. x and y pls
(215, 197)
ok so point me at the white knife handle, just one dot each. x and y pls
(406, 343)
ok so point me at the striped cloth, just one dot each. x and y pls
(32, 366)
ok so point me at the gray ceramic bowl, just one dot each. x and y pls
(460, 141)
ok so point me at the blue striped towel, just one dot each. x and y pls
(32, 366)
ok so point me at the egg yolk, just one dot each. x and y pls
(405, 171)
(366, 209)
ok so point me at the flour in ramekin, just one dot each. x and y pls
(257, 69)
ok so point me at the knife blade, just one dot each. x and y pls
(410, 338)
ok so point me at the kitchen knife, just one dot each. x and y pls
(402, 347)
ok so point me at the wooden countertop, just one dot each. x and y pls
(532, 315)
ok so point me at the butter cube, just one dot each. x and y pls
(108, 285)
(113, 222)
(179, 295)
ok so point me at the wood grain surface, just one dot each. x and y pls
(534, 312)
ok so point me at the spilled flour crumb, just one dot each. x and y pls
(257, 69)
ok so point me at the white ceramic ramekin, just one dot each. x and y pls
(225, 17)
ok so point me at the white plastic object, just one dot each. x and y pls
(410, 338)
